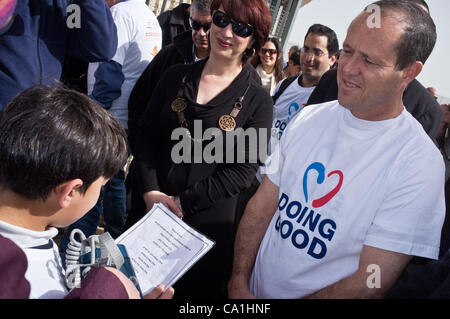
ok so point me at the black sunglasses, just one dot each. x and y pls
(270, 51)
(197, 25)
(241, 29)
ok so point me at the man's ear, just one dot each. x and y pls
(333, 59)
(67, 191)
(412, 71)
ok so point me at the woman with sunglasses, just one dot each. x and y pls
(269, 64)
(196, 174)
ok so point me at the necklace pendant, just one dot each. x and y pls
(178, 105)
(227, 123)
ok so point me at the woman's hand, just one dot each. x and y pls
(160, 293)
(154, 197)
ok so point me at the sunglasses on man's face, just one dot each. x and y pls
(270, 51)
(241, 29)
(197, 25)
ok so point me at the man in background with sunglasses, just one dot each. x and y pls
(187, 47)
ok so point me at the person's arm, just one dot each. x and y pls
(111, 283)
(407, 223)
(147, 138)
(445, 121)
(13, 265)
(108, 83)
(109, 76)
(144, 87)
(257, 216)
(96, 38)
(362, 284)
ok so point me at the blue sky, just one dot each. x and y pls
(337, 14)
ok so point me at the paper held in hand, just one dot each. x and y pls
(162, 248)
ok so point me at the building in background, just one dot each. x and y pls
(158, 6)
(282, 13)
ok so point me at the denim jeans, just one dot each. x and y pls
(112, 201)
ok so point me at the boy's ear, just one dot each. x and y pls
(67, 191)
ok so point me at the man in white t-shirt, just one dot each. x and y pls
(357, 187)
(110, 84)
(318, 55)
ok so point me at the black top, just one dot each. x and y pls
(200, 185)
(179, 52)
(173, 22)
(208, 191)
(416, 99)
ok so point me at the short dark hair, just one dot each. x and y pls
(254, 12)
(295, 58)
(421, 3)
(419, 37)
(51, 135)
(203, 6)
(294, 48)
(332, 43)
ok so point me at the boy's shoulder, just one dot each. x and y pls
(44, 270)
(13, 265)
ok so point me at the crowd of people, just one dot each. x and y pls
(347, 168)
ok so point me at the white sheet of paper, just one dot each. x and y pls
(162, 248)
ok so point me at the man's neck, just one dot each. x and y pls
(201, 53)
(268, 69)
(308, 82)
(222, 67)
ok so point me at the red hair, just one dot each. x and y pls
(254, 12)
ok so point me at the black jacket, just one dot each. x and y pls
(208, 190)
(416, 99)
(179, 52)
(174, 22)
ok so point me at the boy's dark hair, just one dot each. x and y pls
(50, 135)
(419, 37)
(332, 43)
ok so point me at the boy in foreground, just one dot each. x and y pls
(57, 149)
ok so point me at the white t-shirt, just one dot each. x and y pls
(267, 79)
(45, 272)
(139, 40)
(344, 183)
(288, 104)
(292, 101)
